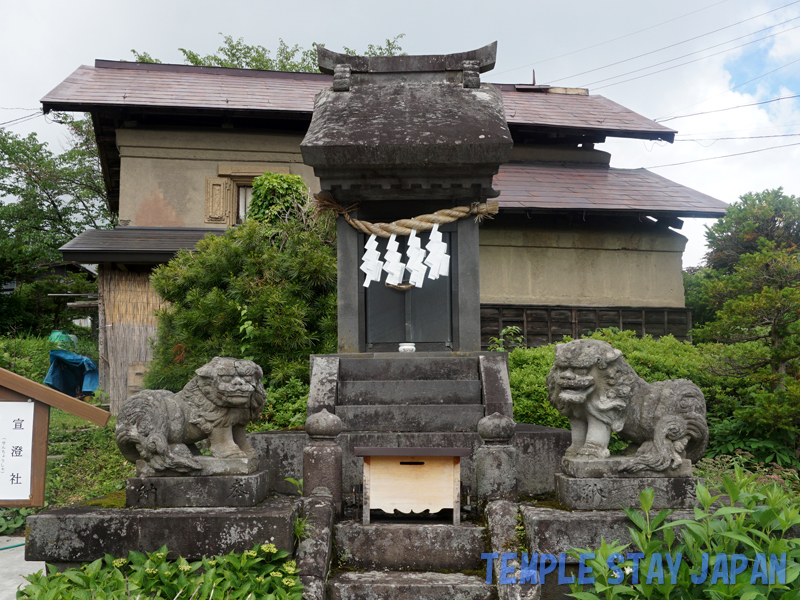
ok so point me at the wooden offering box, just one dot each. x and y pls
(412, 479)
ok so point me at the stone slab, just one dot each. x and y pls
(501, 516)
(314, 552)
(323, 386)
(178, 492)
(374, 585)
(82, 533)
(212, 466)
(553, 531)
(406, 368)
(610, 467)
(613, 494)
(495, 386)
(353, 393)
(539, 453)
(411, 417)
(394, 546)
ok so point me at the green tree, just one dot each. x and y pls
(237, 54)
(46, 199)
(769, 215)
(265, 290)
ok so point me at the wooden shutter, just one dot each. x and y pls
(219, 200)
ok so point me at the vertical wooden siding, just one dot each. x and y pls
(542, 325)
(129, 304)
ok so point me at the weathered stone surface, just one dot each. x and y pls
(582, 467)
(323, 425)
(323, 387)
(402, 367)
(496, 429)
(539, 453)
(495, 386)
(382, 585)
(501, 517)
(496, 473)
(161, 429)
(85, 534)
(404, 546)
(593, 385)
(618, 493)
(409, 392)
(280, 453)
(238, 490)
(208, 466)
(314, 552)
(416, 418)
(554, 531)
(322, 467)
(314, 588)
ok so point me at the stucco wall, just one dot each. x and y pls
(600, 262)
(163, 173)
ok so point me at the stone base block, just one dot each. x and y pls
(372, 585)
(411, 417)
(411, 547)
(579, 493)
(611, 467)
(83, 533)
(180, 492)
(211, 466)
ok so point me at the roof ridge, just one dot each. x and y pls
(230, 71)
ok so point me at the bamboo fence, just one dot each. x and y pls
(129, 305)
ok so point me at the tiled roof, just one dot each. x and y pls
(111, 83)
(572, 186)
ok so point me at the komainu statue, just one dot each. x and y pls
(593, 385)
(162, 428)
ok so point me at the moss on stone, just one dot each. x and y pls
(112, 500)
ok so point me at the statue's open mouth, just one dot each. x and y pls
(572, 396)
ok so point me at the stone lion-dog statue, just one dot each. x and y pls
(593, 385)
(162, 428)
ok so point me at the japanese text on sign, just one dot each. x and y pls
(16, 450)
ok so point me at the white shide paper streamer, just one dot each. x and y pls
(438, 259)
(394, 264)
(416, 258)
(371, 263)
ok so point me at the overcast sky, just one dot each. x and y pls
(568, 42)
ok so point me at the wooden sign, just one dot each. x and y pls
(24, 425)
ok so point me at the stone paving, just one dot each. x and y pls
(13, 567)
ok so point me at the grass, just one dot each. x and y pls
(92, 465)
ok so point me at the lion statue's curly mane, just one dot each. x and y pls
(162, 428)
(593, 385)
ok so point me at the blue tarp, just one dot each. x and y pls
(71, 373)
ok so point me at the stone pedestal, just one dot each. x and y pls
(613, 493)
(223, 490)
(322, 458)
(495, 461)
(211, 466)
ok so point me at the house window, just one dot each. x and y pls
(245, 193)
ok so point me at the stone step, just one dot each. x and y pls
(408, 369)
(353, 393)
(415, 547)
(411, 417)
(392, 585)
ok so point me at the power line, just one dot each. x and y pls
(736, 87)
(686, 162)
(697, 37)
(737, 130)
(703, 50)
(749, 137)
(708, 112)
(539, 62)
(688, 62)
(21, 119)
(16, 108)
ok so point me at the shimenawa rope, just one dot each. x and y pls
(482, 210)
